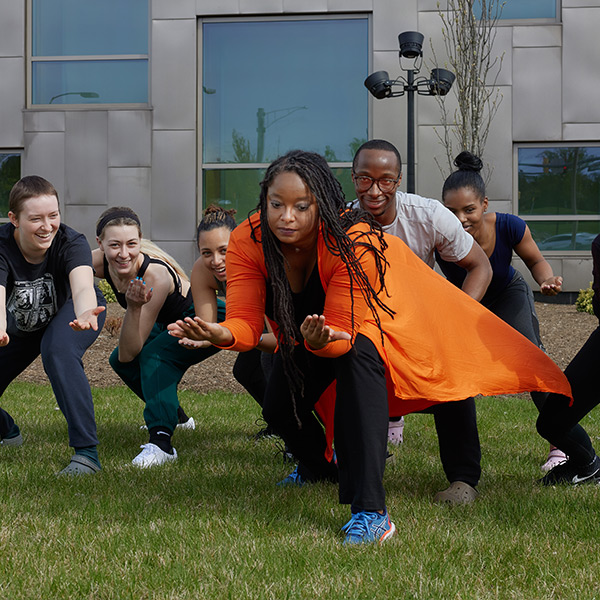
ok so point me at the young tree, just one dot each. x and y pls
(469, 31)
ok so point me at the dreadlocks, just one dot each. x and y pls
(335, 220)
(214, 217)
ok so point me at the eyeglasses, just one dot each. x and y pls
(364, 183)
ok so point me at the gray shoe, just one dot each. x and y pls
(13, 441)
(80, 465)
(459, 492)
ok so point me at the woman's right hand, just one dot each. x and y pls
(199, 330)
(4, 339)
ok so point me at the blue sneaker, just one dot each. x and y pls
(368, 527)
(294, 478)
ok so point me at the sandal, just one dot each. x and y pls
(459, 492)
(80, 465)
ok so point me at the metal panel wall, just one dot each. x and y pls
(86, 157)
(581, 48)
(537, 106)
(174, 73)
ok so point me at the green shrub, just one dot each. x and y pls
(584, 300)
(106, 290)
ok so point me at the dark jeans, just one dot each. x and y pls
(558, 422)
(361, 420)
(61, 349)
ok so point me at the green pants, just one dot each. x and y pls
(156, 371)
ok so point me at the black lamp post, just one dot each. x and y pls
(439, 83)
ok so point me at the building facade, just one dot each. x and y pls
(168, 105)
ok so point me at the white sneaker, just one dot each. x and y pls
(555, 457)
(396, 432)
(151, 456)
(189, 424)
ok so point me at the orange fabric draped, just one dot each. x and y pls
(439, 346)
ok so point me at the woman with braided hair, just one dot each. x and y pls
(349, 303)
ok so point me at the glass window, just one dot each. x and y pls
(72, 43)
(277, 85)
(10, 173)
(90, 82)
(559, 195)
(523, 9)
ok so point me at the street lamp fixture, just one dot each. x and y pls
(81, 94)
(438, 83)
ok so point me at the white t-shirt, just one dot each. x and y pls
(425, 225)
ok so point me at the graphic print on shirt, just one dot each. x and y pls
(33, 303)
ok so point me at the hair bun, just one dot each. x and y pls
(466, 161)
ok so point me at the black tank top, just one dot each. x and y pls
(310, 301)
(175, 304)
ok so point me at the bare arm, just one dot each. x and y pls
(4, 339)
(204, 290)
(541, 271)
(85, 304)
(479, 272)
(145, 298)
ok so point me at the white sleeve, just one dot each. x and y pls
(452, 242)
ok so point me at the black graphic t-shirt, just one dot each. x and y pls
(35, 293)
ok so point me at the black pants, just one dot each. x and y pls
(361, 420)
(251, 369)
(458, 439)
(558, 422)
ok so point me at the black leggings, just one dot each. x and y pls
(558, 422)
(361, 420)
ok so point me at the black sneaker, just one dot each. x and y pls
(573, 475)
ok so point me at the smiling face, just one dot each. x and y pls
(468, 206)
(292, 211)
(378, 164)
(121, 247)
(213, 248)
(36, 225)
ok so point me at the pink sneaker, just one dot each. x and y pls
(555, 457)
(396, 432)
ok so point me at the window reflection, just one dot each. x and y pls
(281, 85)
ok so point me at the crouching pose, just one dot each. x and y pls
(155, 291)
(559, 421)
(334, 287)
(48, 306)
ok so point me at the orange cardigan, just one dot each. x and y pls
(441, 345)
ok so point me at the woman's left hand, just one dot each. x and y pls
(88, 320)
(552, 286)
(318, 335)
(137, 293)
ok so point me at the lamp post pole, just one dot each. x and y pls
(438, 83)
(410, 131)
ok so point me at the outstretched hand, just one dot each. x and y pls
(552, 286)
(138, 293)
(318, 335)
(87, 320)
(200, 331)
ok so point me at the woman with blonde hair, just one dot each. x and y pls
(154, 290)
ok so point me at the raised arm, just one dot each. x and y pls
(81, 280)
(479, 272)
(541, 271)
(145, 298)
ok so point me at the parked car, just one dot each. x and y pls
(564, 241)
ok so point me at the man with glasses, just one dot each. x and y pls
(426, 225)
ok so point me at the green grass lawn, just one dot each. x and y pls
(214, 525)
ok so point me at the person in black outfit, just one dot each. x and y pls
(559, 423)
